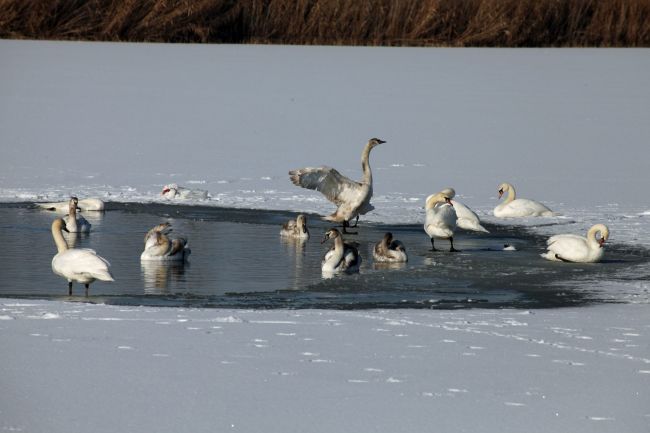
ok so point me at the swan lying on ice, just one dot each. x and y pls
(513, 207)
(351, 198)
(440, 220)
(157, 246)
(77, 264)
(173, 191)
(85, 205)
(578, 249)
(467, 218)
(342, 257)
(296, 229)
(73, 222)
(389, 250)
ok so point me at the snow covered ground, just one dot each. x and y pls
(119, 121)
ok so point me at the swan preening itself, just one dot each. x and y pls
(440, 220)
(158, 246)
(389, 250)
(513, 207)
(296, 229)
(85, 205)
(77, 264)
(73, 222)
(342, 257)
(173, 191)
(467, 218)
(351, 198)
(578, 249)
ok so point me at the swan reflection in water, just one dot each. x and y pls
(295, 249)
(160, 277)
(388, 266)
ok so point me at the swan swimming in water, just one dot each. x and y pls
(440, 220)
(342, 257)
(467, 218)
(173, 191)
(351, 198)
(85, 205)
(519, 207)
(157, 246)
(578, 249)
(389, 250)
(73, 222)
(296, 228)
(77, 264)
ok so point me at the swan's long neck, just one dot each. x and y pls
(59, 240)
(591, 234)
(72, 210)
(365, 165)
(511, 194)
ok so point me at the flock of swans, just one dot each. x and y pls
(443, 216)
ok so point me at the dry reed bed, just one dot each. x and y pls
(508, 23)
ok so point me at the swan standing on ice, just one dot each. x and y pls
(351, 198)
(157, 246)
(342, 257)
(173, 191)
(440, 221)
(77, 264)
(578, 249)
(389, 250)
(296, 229)
(467, 218)
(73, 222)
(519, 207)
(85, 205)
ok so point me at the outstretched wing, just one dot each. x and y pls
(332, 184)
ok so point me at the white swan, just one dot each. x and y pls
(440, 221)
(85, 205)
(73, 222)
(342, 257)
(296, 228)
(467, 218)
(389, 250)
(513, 207)
(77, 264)
(173, 191)
(574, 248)
(157, 246)
(351, 198)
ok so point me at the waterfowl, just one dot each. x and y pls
(440, 220)
(389, 250)
(513, 207)
(351, 198)
(73, 222)
(467, 218)
(342, 257)
(296, 228)
(77, 264)
(157, 246)
(85, 205)
(173, 191)
(578, 249)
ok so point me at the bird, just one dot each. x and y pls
(467, 218)
(578, 249)
(73, 222)
(440, 220)
(296, 228)
(85, 205)
(519, 207)
(342, 257)
(157, 246)
(82, 265)
(173, 191)
(389, 250)
(351, 198)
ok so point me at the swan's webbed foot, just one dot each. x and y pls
(356, 223)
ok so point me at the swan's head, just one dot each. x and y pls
(449, 192)
(440, 197)
(503, 188)
(163, 228)
(168, 188)
(388, 238)
(58, 225)
(604, 233)
(375, 142)
(74, 202)
(301, 222)
(330, 234)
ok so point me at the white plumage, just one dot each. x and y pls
(466, 218)
(296, 229)
(76, 223)
(342, 257)
(578, 249)
(440, 220)
(389, 250)
(159, 247)
(513, 207)
(85, 205)
(173, 191)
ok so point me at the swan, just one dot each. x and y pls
(467, 218)
(351, 198)
(157, 246)
(389, 250)
(342, 257)
(440, 221)
(519, 207)
(578, 249)
(73, 222)
(173, 191)
(296, 228)
(77, 264)
(85, 205)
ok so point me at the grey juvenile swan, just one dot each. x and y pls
(351, 198)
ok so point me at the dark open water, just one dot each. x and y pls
(239, 260)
